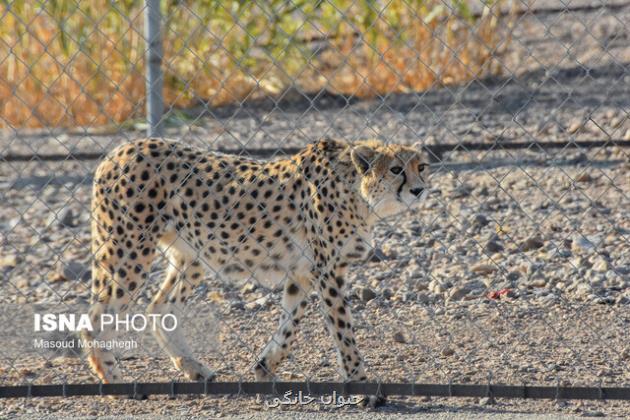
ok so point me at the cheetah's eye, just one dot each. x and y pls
(422, 167)
(396, 169)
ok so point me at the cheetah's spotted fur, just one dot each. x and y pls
(301, 220)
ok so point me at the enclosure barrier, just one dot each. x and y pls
(144, 389)
(435, 152)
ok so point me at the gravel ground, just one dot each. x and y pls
(517, 266)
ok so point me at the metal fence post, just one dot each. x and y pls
(154, 78)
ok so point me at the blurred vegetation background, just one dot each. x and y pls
(65, 63)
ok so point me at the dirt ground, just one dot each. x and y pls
(517, 267)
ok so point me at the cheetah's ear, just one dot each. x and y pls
(363, 158)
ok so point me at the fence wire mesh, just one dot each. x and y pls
(513, 269)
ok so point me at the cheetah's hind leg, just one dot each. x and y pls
(182, 277)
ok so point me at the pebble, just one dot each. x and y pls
(594, 413)
(583, 290)
(600, 265)
(492, 246)
(513, 275)
(584, 177)
(458, 293)
(258, 303)
(388, 251)
(574, 127)
(74, 271)
(64, 218)
(9, 261)
(581, 243)
(483, 269)
(479, 220)
(532, 243)
(56, 277)
(461, 191)
(399, 337)
(414, 271)
(539, 282)
(249, 288)
(377, 255)
(447, 351)
(366, 294)
(423, 298)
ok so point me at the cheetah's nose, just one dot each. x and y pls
(416, 191)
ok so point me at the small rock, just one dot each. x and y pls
(600, 265)
(414, 271)
(56, 277)
(593, 414)
(69, 272)
(574, 127)
(22, 283)
(447, 351)
(238, 305)
(367, 294)
(215, 296)
(399, 337)
(423, 298)
(492, 246)
(249, 288)
(513, 275)
(9, 261)
(583, 290)
(377, 255)
(563, 253)
(581, 243)
(461, 191)
(64, 218)
(27, 373)
(11, 223)
(538, 283)
(531, 243)
(457, 293)
(258, 303)
(389, 251)
(75, 271)
(483, 269)
(482, 191)
(480, 220)
(584, 177)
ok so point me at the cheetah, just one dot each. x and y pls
(297, 222)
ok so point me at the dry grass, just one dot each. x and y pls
(63, 64)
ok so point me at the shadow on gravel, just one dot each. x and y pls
(575, 88)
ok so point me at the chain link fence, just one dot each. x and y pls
(509, 280)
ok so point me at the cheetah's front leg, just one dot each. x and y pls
(294, 301)
(339, 323)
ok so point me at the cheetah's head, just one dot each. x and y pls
(393, 179)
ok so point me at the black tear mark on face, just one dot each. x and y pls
(404, 177)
